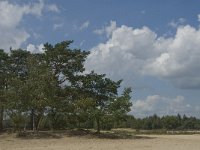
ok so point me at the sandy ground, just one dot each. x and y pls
(150, 142)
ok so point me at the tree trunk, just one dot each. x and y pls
(1, 117)
(98, 125)
(38, 121)
(33, 119)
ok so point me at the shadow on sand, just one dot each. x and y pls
(80, 133)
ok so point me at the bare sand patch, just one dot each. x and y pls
(152, 142)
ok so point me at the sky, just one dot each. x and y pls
(153, 45)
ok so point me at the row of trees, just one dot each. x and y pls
(165, 122)
(49, 90)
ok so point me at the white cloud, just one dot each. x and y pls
(146, 105)
(35, 9)
(57, 26)
(180, 60)
(198, 17)
(12, 38)
(156, 104)
(176, 23)
(11, 14)
(52, 8)
(125, 54)
(107, 29)
(130, 52)
(84, 25)
(35, 48)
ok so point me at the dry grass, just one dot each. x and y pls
(123, 139)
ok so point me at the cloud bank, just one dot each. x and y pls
(132, 52)
(11, 15)
(156, 104)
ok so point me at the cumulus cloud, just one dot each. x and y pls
(12, 38)
(11, 14)
(156, 104)
(132, 52)
(176, 23)
(84, 25)
(180, 60)
(35, 48)
(107, 29)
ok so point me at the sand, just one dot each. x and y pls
(149, 142)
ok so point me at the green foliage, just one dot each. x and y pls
(51, 89)
(18, 120)
(121, 105)
(105, 105)
(4, 76)
(161, 123)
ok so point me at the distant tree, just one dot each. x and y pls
(170, 122)
(156, 122)
(130, 122)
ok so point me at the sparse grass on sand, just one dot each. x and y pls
(117, 139)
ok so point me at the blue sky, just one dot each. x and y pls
(153, 45)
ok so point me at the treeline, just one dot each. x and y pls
(165, 122)
(50, 91)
